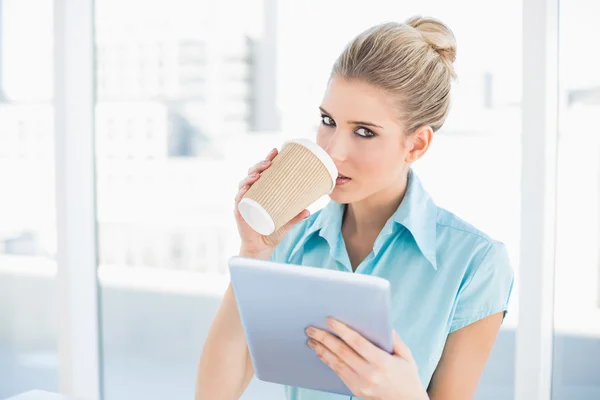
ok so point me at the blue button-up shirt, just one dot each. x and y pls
(444, 273)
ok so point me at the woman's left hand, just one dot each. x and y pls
(368, 371)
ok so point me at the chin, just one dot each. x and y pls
(339, 196)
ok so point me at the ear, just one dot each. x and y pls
(418, 143)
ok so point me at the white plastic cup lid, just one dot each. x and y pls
(256, 216)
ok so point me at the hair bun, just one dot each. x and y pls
(438, 36)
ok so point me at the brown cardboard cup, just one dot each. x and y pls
(299, 175)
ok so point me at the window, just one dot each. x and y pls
(186, 103)
(28, 331)
(167, 297)
(577, 287)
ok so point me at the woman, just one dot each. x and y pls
(389, 92)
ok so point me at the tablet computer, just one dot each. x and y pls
(278, 301)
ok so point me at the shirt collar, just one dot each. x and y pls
(417, 213)
(328, 223)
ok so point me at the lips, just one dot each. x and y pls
(342, 180)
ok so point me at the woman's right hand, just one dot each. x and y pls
(253, 243)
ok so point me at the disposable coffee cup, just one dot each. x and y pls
(299, 175)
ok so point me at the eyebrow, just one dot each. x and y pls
(367, 123)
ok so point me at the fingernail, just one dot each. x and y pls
(311, 343)
(310, 331)
(332, 322)
(254, 175)
(265, 162)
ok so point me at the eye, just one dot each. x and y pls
(364, 132)
(327, 120)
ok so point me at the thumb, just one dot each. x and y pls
(298, 218)
(401, 349)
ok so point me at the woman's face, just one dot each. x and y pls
(360, 131)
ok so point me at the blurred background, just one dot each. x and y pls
(189, 94)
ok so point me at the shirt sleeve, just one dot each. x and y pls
(488, 290)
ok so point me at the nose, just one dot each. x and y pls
(337, 147)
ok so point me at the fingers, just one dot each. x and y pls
(272, 154)
(264, 164)
(249, 180)
(401, 349)
(240, 195)
(357, 342)
(255, 171)
(253, 175)
(332, 349)
(337, 364)
(259, 167)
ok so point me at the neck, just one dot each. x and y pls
(370, 215)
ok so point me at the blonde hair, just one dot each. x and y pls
(412, 61)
